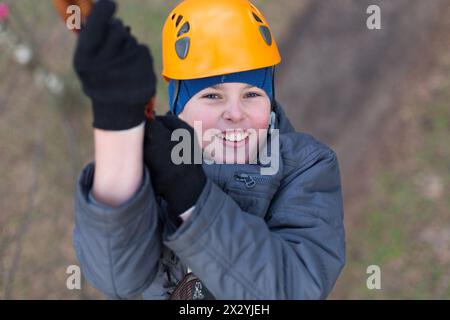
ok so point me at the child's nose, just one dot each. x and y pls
(234, 112)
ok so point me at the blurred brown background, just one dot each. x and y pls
(380, 98)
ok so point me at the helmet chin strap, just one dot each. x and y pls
(177, 92)
(272, 120)
(273, 104)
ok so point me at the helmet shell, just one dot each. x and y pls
(203, 38)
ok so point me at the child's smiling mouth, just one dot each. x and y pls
(234, 138)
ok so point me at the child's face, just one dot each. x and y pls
(233, 110)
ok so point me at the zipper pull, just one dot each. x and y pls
(247, 179)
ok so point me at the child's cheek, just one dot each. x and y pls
(205, 130)
(261, 122)
(259, 115)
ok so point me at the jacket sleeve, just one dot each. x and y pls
(118, 248)
(297, 253)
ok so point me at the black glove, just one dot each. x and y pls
(115, 71)
(180, 185)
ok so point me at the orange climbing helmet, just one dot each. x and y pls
(203, 38)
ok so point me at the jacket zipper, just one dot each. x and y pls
(250, 180)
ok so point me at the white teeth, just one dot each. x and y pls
(233, 136)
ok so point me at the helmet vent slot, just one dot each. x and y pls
(257, 18)
(184, 29)
(180, 17)
(182, 47)
(265, 32)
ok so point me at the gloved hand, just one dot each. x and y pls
(115, 71)
(180, 185)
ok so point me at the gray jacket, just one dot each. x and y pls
(279, 237)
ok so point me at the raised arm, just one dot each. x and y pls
(117, 230)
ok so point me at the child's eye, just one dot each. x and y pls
(253, 95)
(211, 96)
